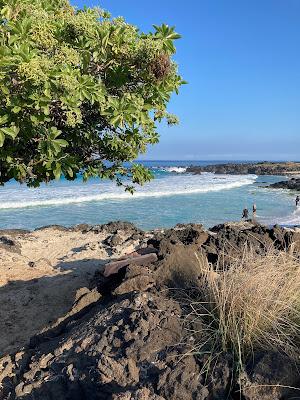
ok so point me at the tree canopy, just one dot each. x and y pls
(80, 92)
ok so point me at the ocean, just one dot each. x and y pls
(172, 197)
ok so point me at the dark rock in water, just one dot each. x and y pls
(260, 168)
(293, 184)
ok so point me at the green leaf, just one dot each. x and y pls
(2, 138)
(3, 119)
(11, 131)
(5, 90)
(16, 109)
(54, 132)
(62, 142)
(70, 172)
(57, 171)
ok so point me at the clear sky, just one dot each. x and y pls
(242, 61)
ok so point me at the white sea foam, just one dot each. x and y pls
(63, 193)
(178, 170)
(292, 219)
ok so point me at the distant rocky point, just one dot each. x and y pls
(259, 168)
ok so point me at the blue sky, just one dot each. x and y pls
(242, 61)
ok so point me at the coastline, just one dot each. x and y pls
(170, 198)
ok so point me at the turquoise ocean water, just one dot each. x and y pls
(172, 197)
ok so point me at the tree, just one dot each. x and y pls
(80, 93)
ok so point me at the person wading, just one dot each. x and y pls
(245, 214)
(297, 201)
(254, 211)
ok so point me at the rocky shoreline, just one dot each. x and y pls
(292, 184)
(259, 168)
(124, 336)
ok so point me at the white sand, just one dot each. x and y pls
(40, 285)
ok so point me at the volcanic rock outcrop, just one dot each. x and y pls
(130, 343)
(260, 168)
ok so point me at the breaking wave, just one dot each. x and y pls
(178, 170)
(292, 219)
(63, 193)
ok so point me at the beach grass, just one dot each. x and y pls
(251, 305)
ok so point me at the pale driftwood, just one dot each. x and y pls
(139, 252)
(115, 266)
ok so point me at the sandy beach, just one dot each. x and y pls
(43, 274)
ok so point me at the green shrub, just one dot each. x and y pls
(79, 91)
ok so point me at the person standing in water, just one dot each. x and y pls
(297, 201)
(245, 214)
(254, 211)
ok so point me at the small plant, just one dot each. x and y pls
(247, 306)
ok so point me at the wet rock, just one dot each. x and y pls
(82, 228)
(292, 184)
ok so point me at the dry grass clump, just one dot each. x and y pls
(253, 304)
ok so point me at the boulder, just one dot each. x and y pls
(187, 235)
(115, 266)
